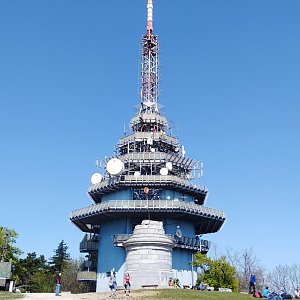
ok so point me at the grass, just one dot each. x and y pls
(180, 294)
(7, 295)
(169, 294)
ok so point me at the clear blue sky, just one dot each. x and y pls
(230, 73)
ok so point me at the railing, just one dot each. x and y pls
(191, 243)
(86, 276)
(146, 179)
(179, 242)
(89, 243)
(149, 205)
(88, 246)
(138, 136)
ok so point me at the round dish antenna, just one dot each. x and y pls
(178, 232)
(136, 173)
(169, 166)
(163, 171)
(149, 141)
(96, 178)
(115, 166)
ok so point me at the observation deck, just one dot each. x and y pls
(97, 190)
(196, 244)
(205, 220)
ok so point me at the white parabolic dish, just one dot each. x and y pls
(96, 178)
(169, 165)
(163, 171)
(115, 166)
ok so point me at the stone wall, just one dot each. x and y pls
(149, 255)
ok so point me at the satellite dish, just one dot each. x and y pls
(169, 166)
(152, 150)
(176, 149)
(136, 173)
(96, 178)
(163, 171)
(115, 166)
(149, 141)
(178, 232)
(168, 197)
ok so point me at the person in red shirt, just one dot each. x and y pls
(127, 284)
(57, 284)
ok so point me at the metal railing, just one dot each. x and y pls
(86, 276)
(179, 242)
(89, 243)
(146, 179)
(149, 205)
(156, 136)
(88, 246)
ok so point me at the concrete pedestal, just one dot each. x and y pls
(149, 255)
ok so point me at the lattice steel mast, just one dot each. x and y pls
(149, 78)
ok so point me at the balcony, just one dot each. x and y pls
(86, 276)
(195, 244)
(205, 220)
(89, 243)
(191, 243)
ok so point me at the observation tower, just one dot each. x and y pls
(149, 214)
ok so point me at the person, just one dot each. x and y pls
(57, 284)
(252, 284)
(285, 295)
(127, 284)
(266, 292)
(297, 293)
(257, 294)
(112, 283)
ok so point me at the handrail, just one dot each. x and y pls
(179, 242)
(148, 205)
(146, 179)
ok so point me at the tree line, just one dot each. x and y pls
(230, 270)
(35, 273)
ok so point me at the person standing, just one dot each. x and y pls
(252, 284)
(127, 284)
(57, 284)
(113, 284)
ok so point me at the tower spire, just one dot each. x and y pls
(149, 78)
(150, 17)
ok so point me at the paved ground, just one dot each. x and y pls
(91, 296)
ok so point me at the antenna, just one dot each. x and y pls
(98, 163)
(149, 80)
(201, 168)
(149, 17)
(124, 130)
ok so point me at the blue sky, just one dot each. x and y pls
(229, 81)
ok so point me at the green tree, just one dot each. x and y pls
(60, 259)
(7, 249)
(27, 268)
(69, 277)
(217, 273)
(42, 282)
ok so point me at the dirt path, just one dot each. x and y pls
(140, 294)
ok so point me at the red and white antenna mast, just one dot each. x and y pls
(149, 80)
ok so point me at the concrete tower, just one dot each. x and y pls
(148, 215)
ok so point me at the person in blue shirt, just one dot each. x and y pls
(252, 284)
(266, 292)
